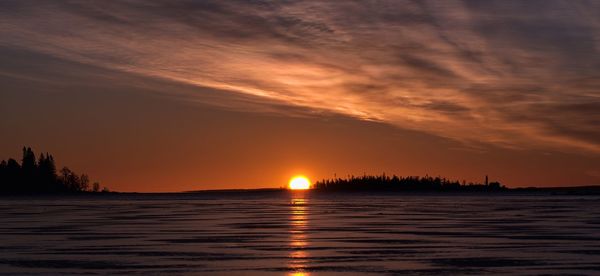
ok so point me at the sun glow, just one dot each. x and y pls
(299, 182)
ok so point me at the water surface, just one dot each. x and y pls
(300, 234)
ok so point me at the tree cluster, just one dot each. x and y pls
(40, 176)
(409, 183)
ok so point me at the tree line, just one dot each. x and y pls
(410, 183)
(34, 176)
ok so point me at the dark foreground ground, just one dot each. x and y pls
(301, 233)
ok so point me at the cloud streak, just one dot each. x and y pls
(509, 73)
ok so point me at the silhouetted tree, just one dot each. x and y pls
(13, 176)
(395, 183)
(96, 187)
(68, 178)
(47, 172)
(40, 176)
(29, 170)
(28, 162)
(84, 183)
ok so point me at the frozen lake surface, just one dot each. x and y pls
(275, 233)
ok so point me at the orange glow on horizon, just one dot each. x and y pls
(299, 182)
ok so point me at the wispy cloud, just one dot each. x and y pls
(511, 73)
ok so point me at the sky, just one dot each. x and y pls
(159, 96)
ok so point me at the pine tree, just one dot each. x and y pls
(46, 173)
(13, 176)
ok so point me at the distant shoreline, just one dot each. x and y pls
(575, 190)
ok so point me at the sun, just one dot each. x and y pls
(299, 182)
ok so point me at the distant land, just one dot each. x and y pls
(412, 184)
(575, 190)
(39, 176)
(31, 177)
(409, 183)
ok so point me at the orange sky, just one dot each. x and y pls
(172, 96)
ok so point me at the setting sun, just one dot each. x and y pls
(299, 183)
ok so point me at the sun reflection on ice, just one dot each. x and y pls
(298, 236)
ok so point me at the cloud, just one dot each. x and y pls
(510, 73)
